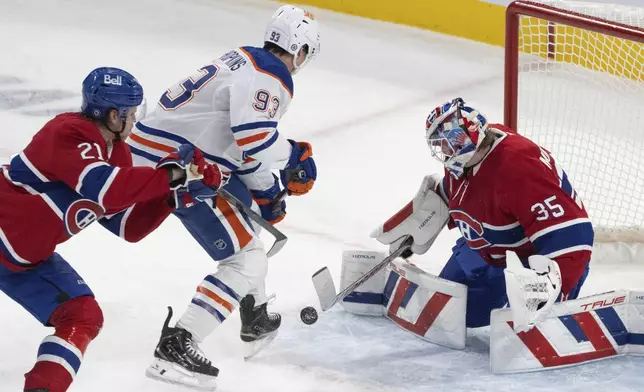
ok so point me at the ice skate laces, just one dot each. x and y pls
(195, 352)
(273, 317)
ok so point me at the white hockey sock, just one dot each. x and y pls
(219, 293)
(213, 302)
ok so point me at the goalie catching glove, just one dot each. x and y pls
(423, 218)
(193, 179)
(531, 291)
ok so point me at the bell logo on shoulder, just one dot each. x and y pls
(117, 80)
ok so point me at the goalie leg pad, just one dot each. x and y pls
(367, 299)
(574, 332)
(428, 306)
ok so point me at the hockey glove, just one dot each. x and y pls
(300, 172)
(272, 210)
(178, 163)
(198, 191)
(199, 180)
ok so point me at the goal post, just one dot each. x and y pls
(574, 83)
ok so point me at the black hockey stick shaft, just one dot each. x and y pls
(292, 174)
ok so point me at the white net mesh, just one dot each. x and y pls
(581, 95)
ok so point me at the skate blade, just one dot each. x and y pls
(253, 348)
(171, 373)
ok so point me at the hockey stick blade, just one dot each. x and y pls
(280, 238)
(323, 282)
(324, 287)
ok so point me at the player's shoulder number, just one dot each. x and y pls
(264, 102)
(91, 151)
(549, 207)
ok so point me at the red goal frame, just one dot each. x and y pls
(553, 15)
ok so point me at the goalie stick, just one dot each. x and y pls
(325, 289)
(280, 238)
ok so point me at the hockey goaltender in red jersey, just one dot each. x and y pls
(503, 193)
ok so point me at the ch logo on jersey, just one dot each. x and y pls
(470, 228)
(81, 214)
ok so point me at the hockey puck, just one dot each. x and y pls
(309, 315)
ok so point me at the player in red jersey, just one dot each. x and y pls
(77, 169)
(504, 193)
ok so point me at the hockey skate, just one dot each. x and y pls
(178, 360)
(259, 327)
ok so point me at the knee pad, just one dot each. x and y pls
(78, 321)
(251, 262)
(244, 270)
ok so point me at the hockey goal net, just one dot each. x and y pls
(575, 85)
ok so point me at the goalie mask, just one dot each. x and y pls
(454, 132)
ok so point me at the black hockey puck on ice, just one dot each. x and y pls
(309, 315)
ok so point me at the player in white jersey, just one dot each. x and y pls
(230, 109)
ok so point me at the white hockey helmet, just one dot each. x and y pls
(291, 28)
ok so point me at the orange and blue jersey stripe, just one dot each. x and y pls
(256, 136)
(153, 144)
